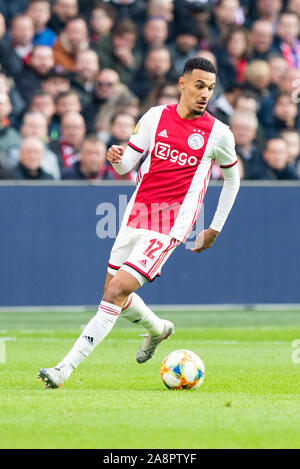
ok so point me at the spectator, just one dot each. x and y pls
(2, 26)
(67, 101)
(184, 46)
(287, 42)
(116, 51)
(261, 38)
(121, 100)
(40, 13)
(29, 167)
(10, 62)
(43, 102)
(244, 127)
(294, 6)
(292, 140)
(62, 12)
(56, 82)
(4, 172)
(198, 15)
(35, 125)
(72, 39)
(121, 128)
(232, 62)
(21, 36)
(157, 70)
(86, 71)
(12, 8)
(155, 34)
(133, 9)
(288, 84)
(223, 107)
(267, 10)
(162, 9)
(278, 69)
(102, 20)
(105, 88)
(8, 135)
(169, 93)
(246, 102)
(275, 158)
(259, 68)
(225, 15)
(29, 79)
(285, 116)
(18, 105)
(92, 162)
(67, 148)
(258, 77)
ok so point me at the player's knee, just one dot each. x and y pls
(116, 291)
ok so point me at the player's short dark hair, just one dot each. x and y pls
(199, 63)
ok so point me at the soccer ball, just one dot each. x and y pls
(182, 369)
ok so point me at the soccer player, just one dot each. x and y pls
(183, 141)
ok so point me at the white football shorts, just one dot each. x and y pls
(140, 252)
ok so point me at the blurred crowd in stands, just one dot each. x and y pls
(76, 75)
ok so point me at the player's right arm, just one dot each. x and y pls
(124, 161)
(225, 155)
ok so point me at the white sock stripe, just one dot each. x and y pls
(109, 308)
(110, 305)
(108, 311)
(112, 314)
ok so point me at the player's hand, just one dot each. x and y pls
(115, 153)
(205, 240)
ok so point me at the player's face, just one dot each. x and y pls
(197, 88)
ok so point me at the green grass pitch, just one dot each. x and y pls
(250, 397)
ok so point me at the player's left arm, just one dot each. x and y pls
(226, 156)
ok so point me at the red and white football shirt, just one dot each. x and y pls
(172, 181)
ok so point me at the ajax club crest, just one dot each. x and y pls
(196, 141)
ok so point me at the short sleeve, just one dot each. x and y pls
(225, 153)
(140, 139)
